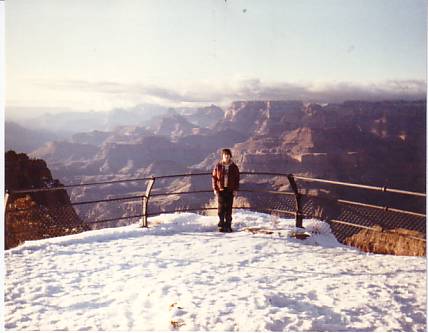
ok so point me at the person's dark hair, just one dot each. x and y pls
(226, 151)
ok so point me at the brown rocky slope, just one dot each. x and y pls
(35, 215)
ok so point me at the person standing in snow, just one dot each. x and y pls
(225, 182)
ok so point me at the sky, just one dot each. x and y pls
(102, 54)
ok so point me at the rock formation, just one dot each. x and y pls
(35, 215)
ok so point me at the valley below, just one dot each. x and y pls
(373, 143)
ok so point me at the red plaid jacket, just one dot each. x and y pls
(218, 177)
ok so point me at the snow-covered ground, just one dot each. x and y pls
(182, 274)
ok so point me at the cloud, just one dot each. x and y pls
(392, 89)
(251, 89)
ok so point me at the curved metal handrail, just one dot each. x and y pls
(291, 178)
(307, 179)
(297, 213)
(367, 187)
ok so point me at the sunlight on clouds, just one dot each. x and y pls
(105, 95)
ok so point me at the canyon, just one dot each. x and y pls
(374, 143)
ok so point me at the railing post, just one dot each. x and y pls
(146, 198)
(7, 241)
(6, 200)
(297, 195)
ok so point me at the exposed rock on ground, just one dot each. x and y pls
(402, 242)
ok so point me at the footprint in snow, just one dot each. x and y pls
(233, 279)
(312, 295)
(165, 289)
(278, 301)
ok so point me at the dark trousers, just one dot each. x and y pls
(225, 203)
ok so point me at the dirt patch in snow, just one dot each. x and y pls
(402, 242)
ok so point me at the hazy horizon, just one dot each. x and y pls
(26, 113)
(98, 56)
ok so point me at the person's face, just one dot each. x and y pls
(226, 158)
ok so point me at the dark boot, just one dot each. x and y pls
(221, 227)
(228, 227)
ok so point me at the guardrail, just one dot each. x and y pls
(344, 215)
(297, 212)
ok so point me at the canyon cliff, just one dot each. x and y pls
(35, 215)
(374, 143)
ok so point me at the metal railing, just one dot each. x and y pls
(32, 209)
(296, 212)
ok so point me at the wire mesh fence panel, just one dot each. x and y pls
(283, 205)
(268, 193)
(180, 193)
(386, 219)
(348, 218)
(112, 214)
(38, 222)
(311, 208)
(194, 202)
(343, 231)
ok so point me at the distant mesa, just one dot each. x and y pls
(26, 140)
(64, 151)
